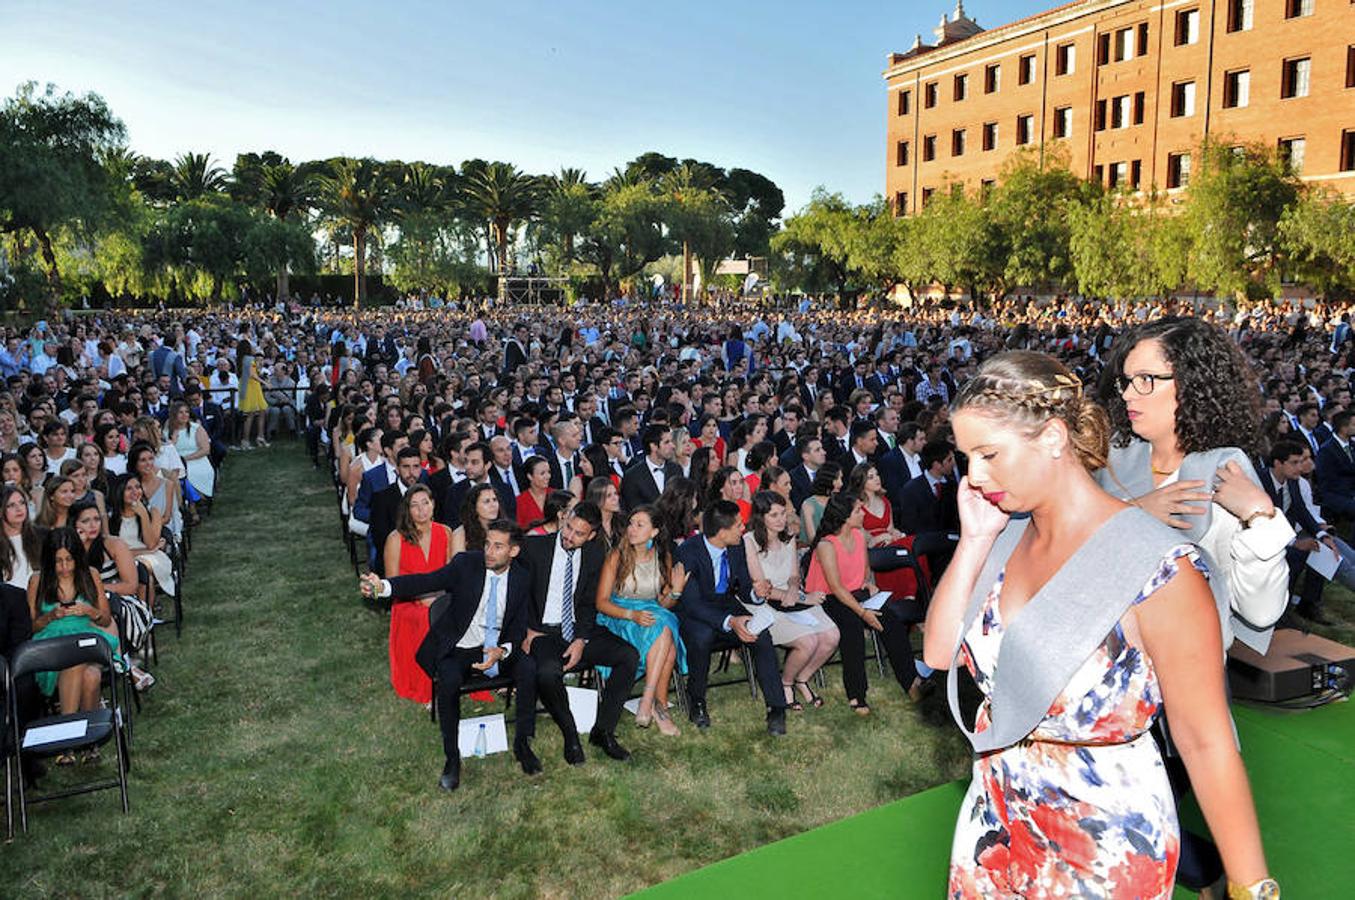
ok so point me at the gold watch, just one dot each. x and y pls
(1260, 514)
(1265, 889)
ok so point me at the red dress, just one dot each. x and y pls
(409, 620)
(528, 511)
(901, 582)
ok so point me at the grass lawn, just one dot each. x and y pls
(273, 758)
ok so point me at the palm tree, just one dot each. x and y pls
(569, 207)
(359, 194)
(195, 176)
(688, 186)
(504, 197)
(285, 190)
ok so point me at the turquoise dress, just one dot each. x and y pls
(641, 592)
(61, 628)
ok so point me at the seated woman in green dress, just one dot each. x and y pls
(65, 597)
(637, 590)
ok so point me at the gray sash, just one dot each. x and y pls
(1063, 624)
(1129, 474)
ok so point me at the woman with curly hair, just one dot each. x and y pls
(1185, 416)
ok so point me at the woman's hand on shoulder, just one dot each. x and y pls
(1171, 501)
(1237, 493)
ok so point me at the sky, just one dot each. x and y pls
(790, 89)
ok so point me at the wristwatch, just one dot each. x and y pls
(1260, 514)
(1265, 889)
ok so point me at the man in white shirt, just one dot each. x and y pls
(476, 630)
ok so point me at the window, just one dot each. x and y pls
(992, 78)
(905, 102)
(1294, 80)
(1119, 174)
(1143, 40)
(1187, 27)
(1119, 112)
(1183, 99)
(1293, 9)
(929, 95)
(1348, 151)
(961, 89)
(929, 148)
(902, 153)
(1350, 66)
(1025, 69)
(986, 187)
(1240, 15)
(1236, 88)
(1136, 174)
(927, 196)
(1139, 103)
(1100, 115)
(900, 203)
(1063, 122)
(1291, 153)
(989, 135)
(1065, 59)
(1124, 44)
(1098, 174)
(1025, 129)
(1103, 49)
(1178, 170)
(957, 142)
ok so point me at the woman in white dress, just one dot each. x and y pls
(189, 439)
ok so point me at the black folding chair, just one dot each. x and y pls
(53, 735)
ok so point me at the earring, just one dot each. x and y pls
(1058, 453)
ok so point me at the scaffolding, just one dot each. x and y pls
(532, 290)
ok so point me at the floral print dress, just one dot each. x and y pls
(1082, 808)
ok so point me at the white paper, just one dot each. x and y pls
(877, 602)
(496, 735)
(1324, 561)
(583, 704)
(803, 617)
(762, 620)
(51, 734)
(633, 706)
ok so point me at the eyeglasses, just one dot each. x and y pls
(1144, 382)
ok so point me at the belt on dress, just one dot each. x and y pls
(1030, 741)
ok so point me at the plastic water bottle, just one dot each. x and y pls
(481, 741)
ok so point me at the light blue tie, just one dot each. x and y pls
(492, 622)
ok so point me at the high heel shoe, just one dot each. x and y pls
(814, 699)
(666, 726)
(644, 719)
(792, 703)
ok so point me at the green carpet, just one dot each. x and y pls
(1302, 768)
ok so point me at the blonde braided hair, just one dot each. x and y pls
(1028, 389)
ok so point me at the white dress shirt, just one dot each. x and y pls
(555, 590)
(475, 631)
(657, 472)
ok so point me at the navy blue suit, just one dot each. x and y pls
(702, 613)
(1334, 480)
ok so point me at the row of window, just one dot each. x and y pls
(1121, 44)
(1129, 173)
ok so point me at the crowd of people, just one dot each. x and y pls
(631, 490)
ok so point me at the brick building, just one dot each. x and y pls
(1131, 87)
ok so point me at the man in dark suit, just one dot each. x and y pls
(377, 479)
(926, 506)
(478, 471)
(211, 417)
(503, 471)
(165, 361)
(564, 458)
(812, 458)
(710, 615)
(477, 629)
(515, 349)
(645, 480)
(903, 463)
(1334, 479)
(1280, 477)
(837, 435)
(562, 631)
(386, 505)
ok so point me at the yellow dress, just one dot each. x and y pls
(251, 392)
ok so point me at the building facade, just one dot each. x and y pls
(1128, 89)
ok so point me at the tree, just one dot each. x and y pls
(627, 233)
(1123, 249)
(505, 198)
(569, 205)
(359, 195)
(1233, 210)
(195, 176)
(820, 229)
(272, 184)
(871, 243)
(697, 216)
(757, 204)
(436, 247)
(51, 170)
(954, 242)
(1318, 237)
(1029, 212)
(201, 241)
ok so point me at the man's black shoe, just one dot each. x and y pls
(451, 774)
(522, 751)
(700, 718)
(776, 721)
(574, 751)
(608, 743)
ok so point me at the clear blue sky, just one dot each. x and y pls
(791, 89)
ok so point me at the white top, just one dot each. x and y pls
(475, 631)
(54, 465)
(22, 570)
(555, 591)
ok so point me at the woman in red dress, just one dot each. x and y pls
(417, 545)
(865, 484)
(532, 502)
(709, 436)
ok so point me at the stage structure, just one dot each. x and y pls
(532, 289)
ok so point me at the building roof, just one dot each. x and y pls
(947, 38)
